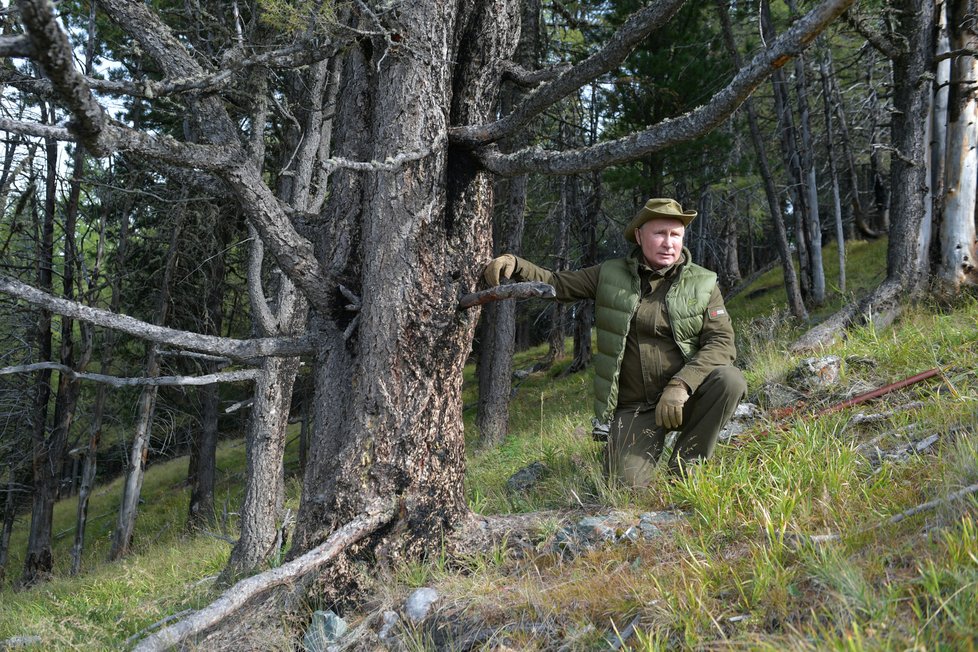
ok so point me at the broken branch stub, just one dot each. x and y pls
(524, 290)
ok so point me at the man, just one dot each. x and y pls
(665, 344)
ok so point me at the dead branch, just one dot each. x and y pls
(893, 520)
(231, 348)
(638, 26)
(231, 601)
(115, 381)
(524, 290)
(932, 504)
(668, 132)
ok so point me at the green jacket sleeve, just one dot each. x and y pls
(570, 286)
(717, 347)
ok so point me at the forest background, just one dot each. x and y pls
(864, 137)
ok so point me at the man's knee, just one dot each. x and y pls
(726, 381)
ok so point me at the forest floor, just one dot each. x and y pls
(853, 530)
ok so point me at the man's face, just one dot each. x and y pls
(661, 240)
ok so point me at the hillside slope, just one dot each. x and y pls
(833, 532)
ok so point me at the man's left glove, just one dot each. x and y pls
(669, 410)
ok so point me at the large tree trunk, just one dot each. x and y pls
(388, 420)
(957, 264)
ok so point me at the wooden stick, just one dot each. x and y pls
(524, 290)
(231, 601)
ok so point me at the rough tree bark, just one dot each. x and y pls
(388, 397)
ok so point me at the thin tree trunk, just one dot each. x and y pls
(806, 146)
(792, 164)
(90, 464)
(795, 302)
(840, 237)
(46, 461)
(498, 324)
(139, 451)
(584, 310)
(957, 265)
(9, 513)
(203, 457)
(939, 120)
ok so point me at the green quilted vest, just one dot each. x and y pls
(615, 304)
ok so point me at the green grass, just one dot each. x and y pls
(741, 571)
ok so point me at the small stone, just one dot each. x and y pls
(633, 534)
(419, 604)
(814, 373)
(526, 477)
(325, 629)
(388, 620)
(777, 396)
(746, 411)
(595, 529)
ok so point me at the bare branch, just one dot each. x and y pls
(36, 129)
(880, 41)
(115, 381)
(231, 348)
(231, 601)
(524, 290)
(639, 25)
(531, 78)
(15, 46)
(52, 52)
(676, 130)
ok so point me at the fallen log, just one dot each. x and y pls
(231, 601)
(523, 290)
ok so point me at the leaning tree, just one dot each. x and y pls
(403, 222)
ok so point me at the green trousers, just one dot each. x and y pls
(635, 442)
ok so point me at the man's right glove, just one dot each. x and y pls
(669, 410)
(501, 267)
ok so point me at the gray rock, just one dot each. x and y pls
(526, 477)
(777, 396)
(325, 629)
(595, 529)
(389, 620)
(419, 603)
(814, 373)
